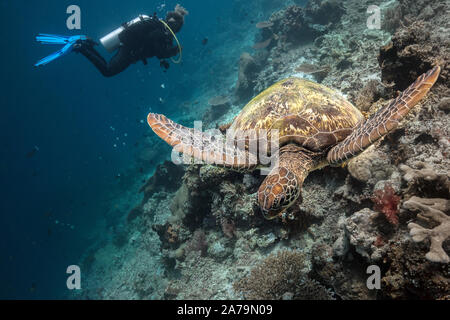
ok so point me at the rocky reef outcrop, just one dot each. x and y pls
(412, 51)
(322, 12)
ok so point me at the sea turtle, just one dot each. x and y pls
(316, 127)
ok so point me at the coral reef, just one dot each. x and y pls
(392, 18)
(324, 12)
(413, 50)
(369, 94)
(310, 289)
(197, 233)
(290, 25)
(410, 276)
(347, 279)
(197, 243)
(166, 178)
(295, 25)
(276, 276)
(371, 166)
(431, 209)
(363, 234)
(425, 180)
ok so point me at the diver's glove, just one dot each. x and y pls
(164, 64)
(91, 42)
(83, 44)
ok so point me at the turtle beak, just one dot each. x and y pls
(268, 215)
(271, 214)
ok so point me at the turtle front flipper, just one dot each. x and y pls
(384, 120)
(211, 149)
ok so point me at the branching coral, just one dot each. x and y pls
(386, 202)
(310, 289)
(431, 209)
(278, 274)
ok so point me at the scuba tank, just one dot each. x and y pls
(111, 41)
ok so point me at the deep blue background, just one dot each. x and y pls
(67, 109)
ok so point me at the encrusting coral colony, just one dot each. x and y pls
(200, 231)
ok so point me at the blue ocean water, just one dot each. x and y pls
(88, 130)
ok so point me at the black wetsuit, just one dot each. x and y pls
(145, 39)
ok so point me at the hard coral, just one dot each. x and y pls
(412, 50)
(172, 234)
(361, 230)
(386, 202)
(348, 283)
(431, 209)
(371, 166)
(197, 243)
(425, 180)
(409, 275)
(369, 94)
(228, 227)
(294, 22)
(310, 289)
(276, 275)
(289, 24)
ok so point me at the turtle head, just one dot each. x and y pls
(279, 191)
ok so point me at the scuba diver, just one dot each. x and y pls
(142, 38)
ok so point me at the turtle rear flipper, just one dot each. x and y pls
(211, 149)
(384, 120)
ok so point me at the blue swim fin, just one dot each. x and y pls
(69, 41)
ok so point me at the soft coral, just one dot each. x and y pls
(386, 202)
